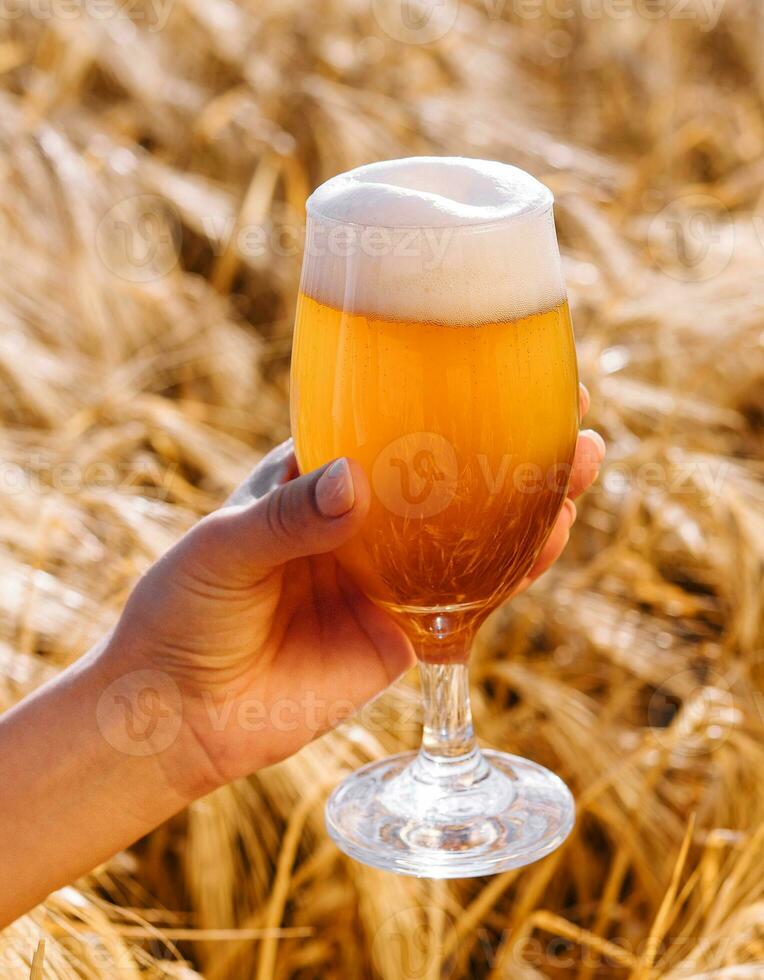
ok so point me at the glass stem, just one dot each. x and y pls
(449, 753)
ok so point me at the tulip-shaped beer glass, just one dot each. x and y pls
(433, 345)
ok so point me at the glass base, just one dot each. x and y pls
(477, 815)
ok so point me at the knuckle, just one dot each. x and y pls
(276, 518)
(210, 538)
(289, 510)
(208, 531)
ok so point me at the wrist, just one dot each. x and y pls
(143, 713)
(79, 783)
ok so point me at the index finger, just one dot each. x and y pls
(279, 466)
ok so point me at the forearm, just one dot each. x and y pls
(86, 768)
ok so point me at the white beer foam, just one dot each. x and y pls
(438, 239)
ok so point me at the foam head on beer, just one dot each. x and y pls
(433, 239)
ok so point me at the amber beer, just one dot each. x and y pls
(466, 432)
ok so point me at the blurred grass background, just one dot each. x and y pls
(154, 162)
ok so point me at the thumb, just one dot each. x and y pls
(311, 515)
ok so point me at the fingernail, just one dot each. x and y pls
(335, 493)
(598, 441)
(570, 509)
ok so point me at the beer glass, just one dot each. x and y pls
(433, 345)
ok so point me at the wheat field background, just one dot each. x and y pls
(154, 162)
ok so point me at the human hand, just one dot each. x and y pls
(590, 452)
(241, 644)
(266, 637)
